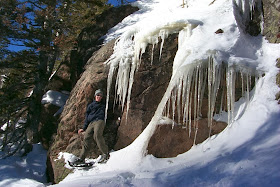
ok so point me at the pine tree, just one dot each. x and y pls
(48, 30)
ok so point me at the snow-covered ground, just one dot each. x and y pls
(246, 153)
(24, 171)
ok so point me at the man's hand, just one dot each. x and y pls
(80, 131)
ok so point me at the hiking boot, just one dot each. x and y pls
(104, 158)
(79, 161)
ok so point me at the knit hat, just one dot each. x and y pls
(98, 92)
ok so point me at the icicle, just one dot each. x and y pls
(168, 106)
(228, 96)
(195, 105)
(127, 55)
(199, 96)
(195, 94)
(173, 99)
(179, 93)
(195, 134)
(223, 83)
(162, 34)
(210, 76)
(122, 80)
(152, 55)
(109, 82)
(196, 101)
(187, 101)
(242, 84)
(183, 98)
(230, 93)
(131, 79)
(216, 85)
(233, 77)
(211, 82)
(204, 79)
(190, 116)
(247, 96)
(222, 100)
(190, 106)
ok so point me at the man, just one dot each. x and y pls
(93, 128)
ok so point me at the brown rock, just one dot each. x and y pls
(271, 17)
(169, 140)
(81, 95)
(48, 124)
(61, 80)
(219, 31)
(73, 114)
(150, 83)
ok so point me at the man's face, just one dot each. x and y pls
(98, 97)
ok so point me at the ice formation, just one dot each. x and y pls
(206, 64)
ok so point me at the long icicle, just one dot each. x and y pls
(230, 93)
(109, 82)
(195, 105)
(190, 104)
(173, 100)
(179, 93)
(211, 80)
(131, 80)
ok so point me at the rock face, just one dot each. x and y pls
(169, 140)
(271, 30)
(90, 38)
(278, 80)
(71, 68)
(82, 94)
(150, 83)
(48, 124)
(73, 114)
(146, 92)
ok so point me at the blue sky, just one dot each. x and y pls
(116, 2)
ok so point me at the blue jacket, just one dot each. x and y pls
(95, 111)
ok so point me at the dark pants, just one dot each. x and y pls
(94, 132)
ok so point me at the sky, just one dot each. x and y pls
(246, 153)
(117, 2)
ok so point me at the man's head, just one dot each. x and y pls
(98, 95)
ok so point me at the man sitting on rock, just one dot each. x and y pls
(93, 129)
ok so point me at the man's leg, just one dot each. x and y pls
(87, 140)
(98, 136)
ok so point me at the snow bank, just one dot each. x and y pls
(24, 171)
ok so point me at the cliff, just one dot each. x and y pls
(87, 72)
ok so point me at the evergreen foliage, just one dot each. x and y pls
(46, 30)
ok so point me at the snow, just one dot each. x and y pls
(25, 171)
(246, 153)
(56, 98)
